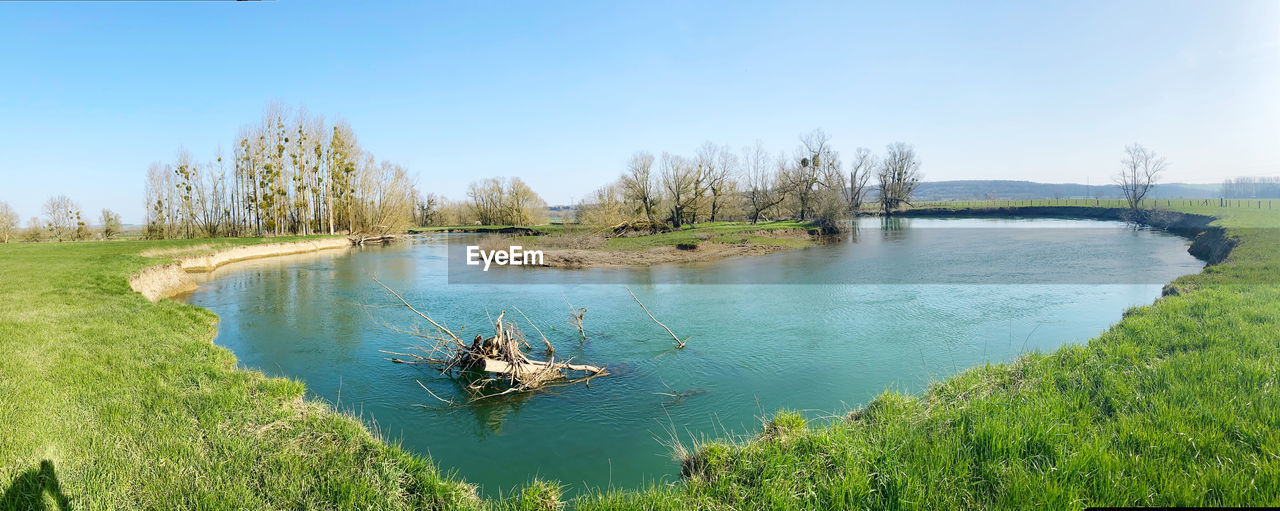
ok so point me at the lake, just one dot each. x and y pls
(822, 330)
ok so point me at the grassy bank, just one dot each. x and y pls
(1177, 404)
(110, 401)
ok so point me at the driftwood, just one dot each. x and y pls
(491, 366)
(576, 315)
(679, 341)
(550, 350)
(369, 240)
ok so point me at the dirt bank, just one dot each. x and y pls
(172, 279)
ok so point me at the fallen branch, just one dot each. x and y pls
(679, 343)
(577, 314)
(550, 350)
(415, 311)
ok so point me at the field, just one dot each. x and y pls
(110, 401)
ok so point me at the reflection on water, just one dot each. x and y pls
(805, 343)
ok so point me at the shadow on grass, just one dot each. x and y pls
(27, 491)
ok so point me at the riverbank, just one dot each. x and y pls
(1174, 405)
(167, 280)
(110, 400)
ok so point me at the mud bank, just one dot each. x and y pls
(172, 279)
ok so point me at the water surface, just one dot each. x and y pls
(819, 330)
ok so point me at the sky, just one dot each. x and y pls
(561, 94)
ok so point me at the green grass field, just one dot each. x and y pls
(110, 401)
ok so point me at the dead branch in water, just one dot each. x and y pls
(576, 314)
(492, 366)
(415, 311)
(679, 343)
(550, 350)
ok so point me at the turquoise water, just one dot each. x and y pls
(819, 330)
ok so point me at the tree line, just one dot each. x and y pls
(1251, 188)
(63, 221)
(291, 172)
(811, 183)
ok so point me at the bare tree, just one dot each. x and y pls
(486, 200)
(521, 205)
(814, 160)
(860, 169)
(762, 189)
(385, 202)
(605, 206)
(61, 215)
(639, 186)
(1251, 188)
(715, 165)
(1141, 169)
(34, 231)
(8, 222)
(898, 176)
(110, 224)
(679, 181)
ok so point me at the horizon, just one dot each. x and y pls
(565, 94)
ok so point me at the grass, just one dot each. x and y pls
(110, 401)
(1177, 404)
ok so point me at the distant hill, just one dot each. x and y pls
(1004, 189)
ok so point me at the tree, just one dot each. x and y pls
(1141, 169)
(159, 195)
(428, 210)
(486, 200)
(386, 200)
(814, 161)
(680, 184)
(860, 169)
(715, 166)
(898, 176)
(8, 222)
(110, 224)
(522, 205)
(605, 207)
(638, 186)
(34, 232)
(62, 216)
(1251, 188)
(762, 189)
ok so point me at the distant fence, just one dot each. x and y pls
(1149, 203)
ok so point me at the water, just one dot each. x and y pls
(785, 337)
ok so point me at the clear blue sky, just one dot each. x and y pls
(561, 94)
